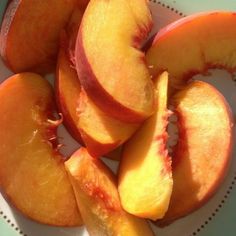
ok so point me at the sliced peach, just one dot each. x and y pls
(110, 65)
(33, 48)
(32, 172)
(145, 177)
(202, 155)
(100, 132)
(98, 199)
(68, 89)
(194, 44)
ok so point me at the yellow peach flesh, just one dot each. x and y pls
(202, 155)
(32, 173)
(98, 199)
(109, 62)
(145, 178)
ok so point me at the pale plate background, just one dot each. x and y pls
(217, 217)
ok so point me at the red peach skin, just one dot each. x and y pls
(145, 176)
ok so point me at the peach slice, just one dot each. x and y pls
(33, 48)
(67, 88)
(98, 199)
(194, 44)
(100, 132)
(202, 155)
(110, 65)
(32, 172)
(145, 177)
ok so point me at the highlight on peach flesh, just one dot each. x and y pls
(92, 62)
(145, 176)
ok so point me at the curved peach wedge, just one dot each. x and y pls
(203, 152)
(33, 48)
(32, 172)
(110, 65)
(145, 176)
(98, 199)
(67, 88)
(194, 44)
(100, 132)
